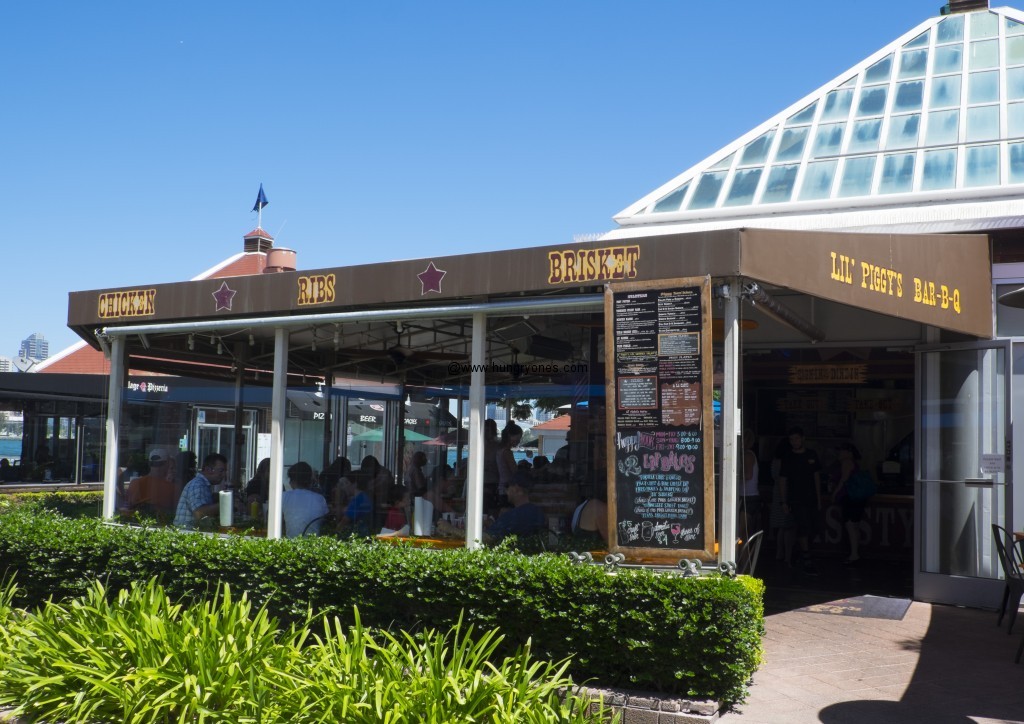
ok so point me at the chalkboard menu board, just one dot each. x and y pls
(660, 423)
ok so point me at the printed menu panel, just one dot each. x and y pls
(658, 440)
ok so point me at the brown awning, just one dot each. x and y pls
(939, 280)
(942, 280)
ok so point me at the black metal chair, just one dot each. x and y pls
(316, 524)
(1010, 559)
(746, 561)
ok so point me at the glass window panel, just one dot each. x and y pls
(1015, 83)
(849, 82)
(984, 54)
(908, 96)
(946, 91)
(837, 105)
(913, 63)
(879, 71)
(943, 127)
(939, 170)
(1017, 163)
(744, 185)
(857, 176)
(1015, 120)
(1015, 50)
(950, 29)
(1013, 27)
(672, 201)
(791, 145)
(983, 87)
(757, 150)
(981, 167)
(984, 25)
(818, 180)
(864, 135)
(903, 131)
(804, 116)
(725, 162)
(897, 174)
(779, 186)
(872, 100)
(705, 196)
(982, 123)
(949, 59)
(921, 41)
(829, 139)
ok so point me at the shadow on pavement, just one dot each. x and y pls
(965, 674)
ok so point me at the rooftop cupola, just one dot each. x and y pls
(964, 6)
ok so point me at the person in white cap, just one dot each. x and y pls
(154, 494)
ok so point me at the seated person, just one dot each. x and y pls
(524, 518)
(300, 506)
(358, 513)
(398, 506)
(197, 500)
(155, 493)
(258, 489)
(589, 527)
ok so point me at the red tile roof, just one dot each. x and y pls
(562, 422)
(82, 359)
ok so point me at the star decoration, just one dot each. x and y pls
(223, 297)
(430, 279)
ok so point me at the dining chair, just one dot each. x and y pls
(746, 561)
(1010, 560)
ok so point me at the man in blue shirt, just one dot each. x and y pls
(525, 518)
(197, 499)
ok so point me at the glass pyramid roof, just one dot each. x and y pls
(939, 113)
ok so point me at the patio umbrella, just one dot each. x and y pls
(378, 436)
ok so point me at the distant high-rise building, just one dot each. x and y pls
(6, 364)
(35, 347)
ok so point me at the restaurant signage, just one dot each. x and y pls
(835, 374)
(660, 435)
(571, 266)
(316, 289)
(128, 303)
(944, 280)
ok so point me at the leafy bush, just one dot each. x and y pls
(85, 504)
(143, 658)
(698, 637)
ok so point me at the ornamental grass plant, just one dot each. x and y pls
(137, 656)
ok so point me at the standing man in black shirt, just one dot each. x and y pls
(800, 487)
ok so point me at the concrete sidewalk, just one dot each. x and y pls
(940, 665)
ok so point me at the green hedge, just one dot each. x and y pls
(85, 504)
(697, 637)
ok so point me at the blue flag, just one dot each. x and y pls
(261, 200)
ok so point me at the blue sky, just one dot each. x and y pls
(136, 134)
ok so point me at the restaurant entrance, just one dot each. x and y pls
(838, 396)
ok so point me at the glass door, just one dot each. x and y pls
(214, 432)
(963, 466)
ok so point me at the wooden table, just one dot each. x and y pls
(423, 542)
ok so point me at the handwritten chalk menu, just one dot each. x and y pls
(660, 486)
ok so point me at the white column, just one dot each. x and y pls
(475, 474)
(111, 474)
(730, 423)
(278, 409)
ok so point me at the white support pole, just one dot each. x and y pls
(111, 473)
(730, 423)
(475, 475)
(278, 409)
